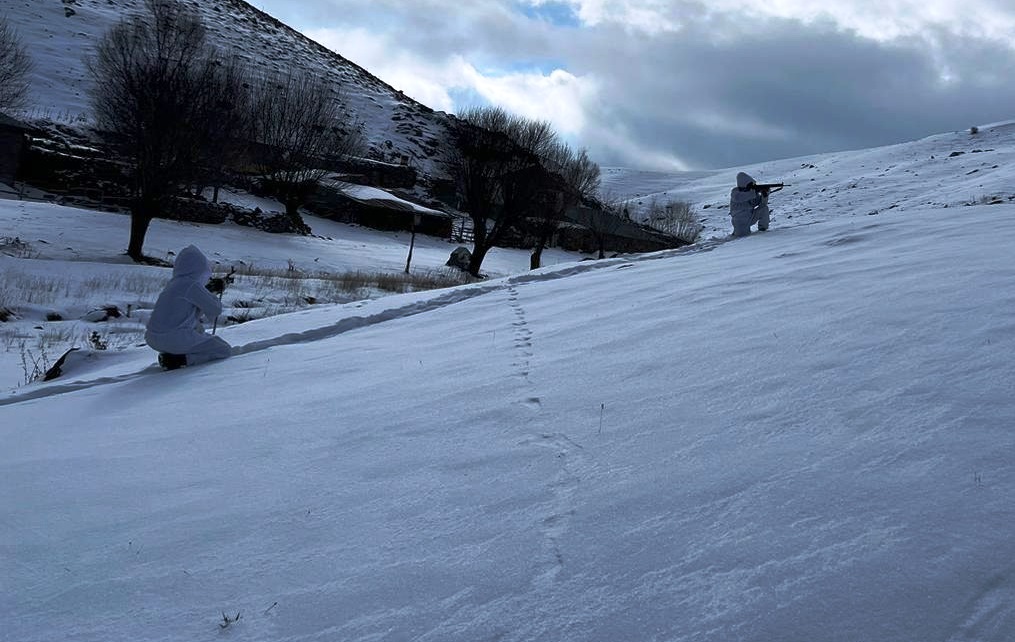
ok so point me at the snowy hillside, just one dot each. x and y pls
(941, 171)
(801, 435)
(61, 33)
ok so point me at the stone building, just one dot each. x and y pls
(12, 145)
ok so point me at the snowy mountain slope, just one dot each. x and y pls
(800, 435)
(60, 34)
(945, 170)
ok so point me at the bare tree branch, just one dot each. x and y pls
(15, 67)
(153, 75)
(514, 173)
(485, 161)
(301, 132)
(574, 180)
(606, 220)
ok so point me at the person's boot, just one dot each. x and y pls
(172, 361)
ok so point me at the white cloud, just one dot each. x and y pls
(890, 19)
(623, 149)
(881, 20)
(558, 97)
(742, 125)
(422, 79)
(694, 83)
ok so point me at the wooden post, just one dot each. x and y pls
(412, 241)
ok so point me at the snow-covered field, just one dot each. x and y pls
(70, 262)
(941, 171)
(801, 435)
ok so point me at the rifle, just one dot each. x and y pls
(768, 188)
(217, 285)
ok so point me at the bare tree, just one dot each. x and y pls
(575, 180)
(524, 189)
(15, 66)
(224, 129)
(301, 131)
(514, 173)
(532, 196)
(605, 221)
(536, 195)
(490, 170)
(675, 218)
(152, 73)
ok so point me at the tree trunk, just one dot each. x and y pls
(480, 244)
(476, 260)
(536, 258)
(140, 217)
(292, 210)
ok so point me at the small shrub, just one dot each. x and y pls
(14, 246)
(96, 341)
(226, 620)
(34, 363)
(392, 283)
(6, 314)
(300, 288)
(987, 199)
(241, 317)
(675, 218)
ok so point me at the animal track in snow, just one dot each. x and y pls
(572, 465)
(522, 335)
(992, 613)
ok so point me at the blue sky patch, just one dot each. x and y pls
(530, 66)
(465, 97)
(560, 14)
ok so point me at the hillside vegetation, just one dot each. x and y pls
(63, 35)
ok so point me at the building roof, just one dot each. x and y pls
(377, 197)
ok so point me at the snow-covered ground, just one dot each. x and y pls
(70, 262)
(801, 435)
(940, 171)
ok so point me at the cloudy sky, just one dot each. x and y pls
(685, 84)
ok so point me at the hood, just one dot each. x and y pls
(743, 180)
(190, 263)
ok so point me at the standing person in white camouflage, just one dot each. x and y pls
(748, 205)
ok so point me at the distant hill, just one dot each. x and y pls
(946, 170)
(60, 34)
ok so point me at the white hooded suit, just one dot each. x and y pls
(747, 206)
(175, 324)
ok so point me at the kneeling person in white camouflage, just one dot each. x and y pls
(748, 206)
(175, 329)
